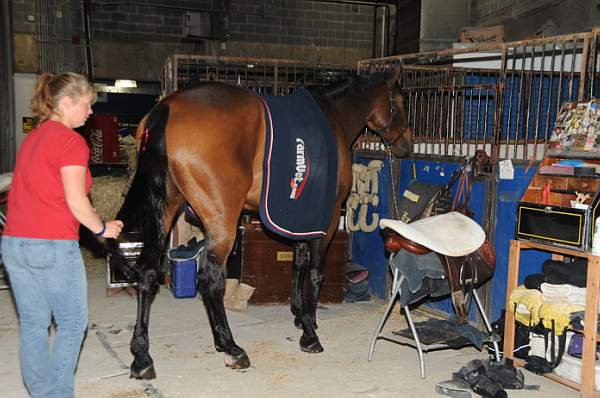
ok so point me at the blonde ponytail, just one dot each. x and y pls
(49, 89)
(42, 102)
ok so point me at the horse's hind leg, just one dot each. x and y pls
(211, 282)
(309, 342)
(142, 366)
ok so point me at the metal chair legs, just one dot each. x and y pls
(386, 313)
(397, 281)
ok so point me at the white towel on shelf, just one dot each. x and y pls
(564, 289)
(565, 294)
(578, 298)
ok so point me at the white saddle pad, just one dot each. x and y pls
(5, 180)
(452, 234)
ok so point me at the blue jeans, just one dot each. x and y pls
(47, 278)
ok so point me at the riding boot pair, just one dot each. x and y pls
(476, 375)
(486, 378)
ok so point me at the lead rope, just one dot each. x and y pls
(395, 213)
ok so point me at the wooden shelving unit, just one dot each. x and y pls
(590, 336)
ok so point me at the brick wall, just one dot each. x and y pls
(302, 22)
(135, 23)
(270, 21)
(297, 29)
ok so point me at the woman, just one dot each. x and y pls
(47, 202)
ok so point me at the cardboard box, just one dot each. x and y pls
(482, 34)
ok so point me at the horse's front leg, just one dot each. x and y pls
(301, 258)
(143, 366)
(309, 342)
(211, 283)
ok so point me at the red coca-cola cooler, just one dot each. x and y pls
(103, 138)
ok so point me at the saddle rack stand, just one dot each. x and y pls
(416, 343)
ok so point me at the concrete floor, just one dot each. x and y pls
(188, 365)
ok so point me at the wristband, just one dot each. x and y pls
(101, 231)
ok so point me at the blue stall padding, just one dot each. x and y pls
(368, 250)
(438, 172)
(367, 247)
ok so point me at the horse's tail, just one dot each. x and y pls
(144, 205)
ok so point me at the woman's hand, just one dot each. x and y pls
(113, 229)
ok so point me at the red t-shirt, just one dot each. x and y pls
(37, 207)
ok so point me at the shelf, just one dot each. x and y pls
(585, 177)
(526, 244)
(573, 154)
(555, 377)
(590, 335)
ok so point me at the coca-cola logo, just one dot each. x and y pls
(96, 145)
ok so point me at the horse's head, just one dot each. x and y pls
(389, 119)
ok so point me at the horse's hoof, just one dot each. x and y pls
(145, 374)
(312, 348)
(241, 361)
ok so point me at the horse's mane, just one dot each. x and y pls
(354, 82)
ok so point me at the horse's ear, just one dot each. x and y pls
(393, 77)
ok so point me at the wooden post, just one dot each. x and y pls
(512, 281)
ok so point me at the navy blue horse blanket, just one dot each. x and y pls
(299, 168)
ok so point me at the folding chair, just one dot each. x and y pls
(426, 277)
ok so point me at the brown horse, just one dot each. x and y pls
(205, 146)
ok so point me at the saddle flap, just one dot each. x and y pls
(467, 273)
(451, 234)
(394, 242)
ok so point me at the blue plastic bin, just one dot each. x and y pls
(183, 278)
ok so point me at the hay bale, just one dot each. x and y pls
(129, 151)
(129, 148)
(131, 154)
(107, 195)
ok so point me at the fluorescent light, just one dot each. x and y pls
(125, 83)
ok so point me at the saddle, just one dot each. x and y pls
(467, 257)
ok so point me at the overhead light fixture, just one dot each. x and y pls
(125, 83)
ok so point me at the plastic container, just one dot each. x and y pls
(183, 278)
(570, 369)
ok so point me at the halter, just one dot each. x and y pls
(393, 111)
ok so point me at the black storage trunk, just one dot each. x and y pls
(545, 212)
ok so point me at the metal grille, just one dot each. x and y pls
(451, 111)
(56, 26)
(268, 76)
(7, 132)
(503, 98)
